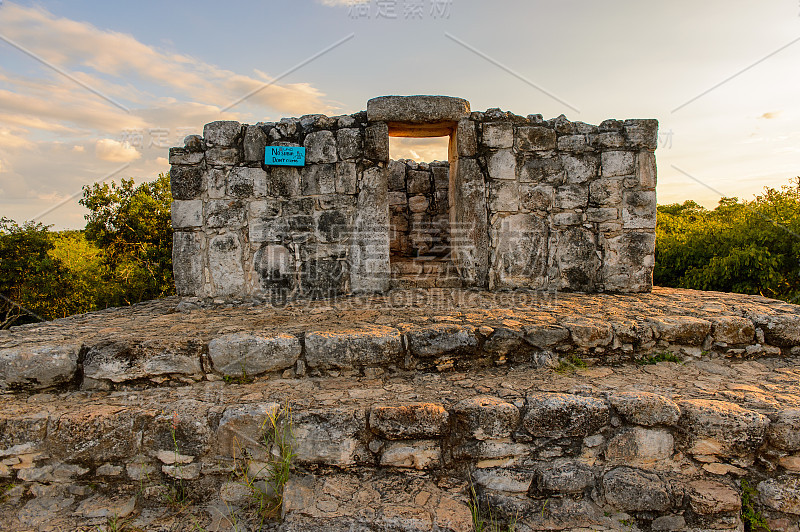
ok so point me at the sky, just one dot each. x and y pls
(96, 91)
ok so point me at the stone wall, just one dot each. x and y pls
(534, 204)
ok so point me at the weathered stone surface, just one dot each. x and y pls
(641, 133)
(225, 264)
(222, 133)
(733, 329)
(686, 330)
(504, 480)
(784, 432)
(618, 163)
(186, 182)
(668, 523)
(413, 421)
(376, 142)
(502, 165)
(225, 214)
(486, 417)
(320, 147)
(781, 494)
(498, 135)
(466, 142)
(38, 366)
(329, 436)
(782, 330)
(634, 490)
(412, 454)
(244, 182)
(640, 445)
(365, 346)
(559, 415)
(708, 497)
(242, 427)
(187, 263)
(349, 142)
(439, 339)
(564, 477)
(417, 109)
(644, 408)
(579, 169)
(587, 332)
(535, 138)
(721, 428)
(255, 142)
(187, 214)
(120, 361)
(247, 354)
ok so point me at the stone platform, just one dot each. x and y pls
(398, 402)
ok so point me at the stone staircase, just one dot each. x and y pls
(657, 412)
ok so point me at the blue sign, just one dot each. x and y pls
(285, 156)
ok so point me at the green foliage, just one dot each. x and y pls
(483, 519)
(750, 247)
(132, 226)
(570, 364)
(751, 516)
(123, 256)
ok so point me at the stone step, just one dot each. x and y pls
(661, 447)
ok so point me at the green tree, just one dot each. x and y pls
(34, 285)
(131, 224)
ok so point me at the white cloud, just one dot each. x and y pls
(78, 148)
(115, 151)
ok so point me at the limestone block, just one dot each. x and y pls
(560, 415)
(333, 225)
(318, 179)
(506, 480)
(708, 497)
(95, 434)
(193, 143)
(417, 109)
(408, 422)
(264, 224)
(603, 214)
(628, 261)
(418, 204)
(641, 133)
(244, 182)
(240, 354)
(639, 209)
(579, 168)
(186, 213)
(564, 477)
(646, 170)
(225, 264)
(283, 181)
(589, 332)
(215, 179)
(781, 494)
(641, 446)
(644, 408)
(503, 196)
(413, 455)
(186, 182)
(721, 428)
(485, 417)
(546, 335)
(782, 330)
(466, 141)
(469, 232)
(572, 197)
(273, 266)
(222, 133)
(542, 170)
(572, 260)
(329, 436)
(185, 157)
(121, 361)
(498, 135)
(441, 177)
(520, 254)
(38, 366)
(376, 142)
(365, 346)
(573, 143)
(255, 142)
(345, 178)
(733, 329)
(684, 330)
(535, 197)
(634, 490)
(350, 143)
(187, 263)
(607, 140)
(222, 156)
(225, 213)
(668, 523)
(607, 192)
(320, 147)
(397, 176)
(439, 339)
(784, 432)
(618, 163)
(534, 138)
(502, 165)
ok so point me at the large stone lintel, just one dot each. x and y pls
(417, 109)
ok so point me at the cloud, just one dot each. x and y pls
(424, 149)
(337, 3)
(770, 115)
(115, 151)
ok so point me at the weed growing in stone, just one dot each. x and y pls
(570, 364)
(663, 356)
(4, 489)
(118, 524)
(485, 521)
(244, 378)
(266, 496)
(177, 493)
(751, 516)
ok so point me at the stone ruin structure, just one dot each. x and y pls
(412, 410)
(520, 203)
